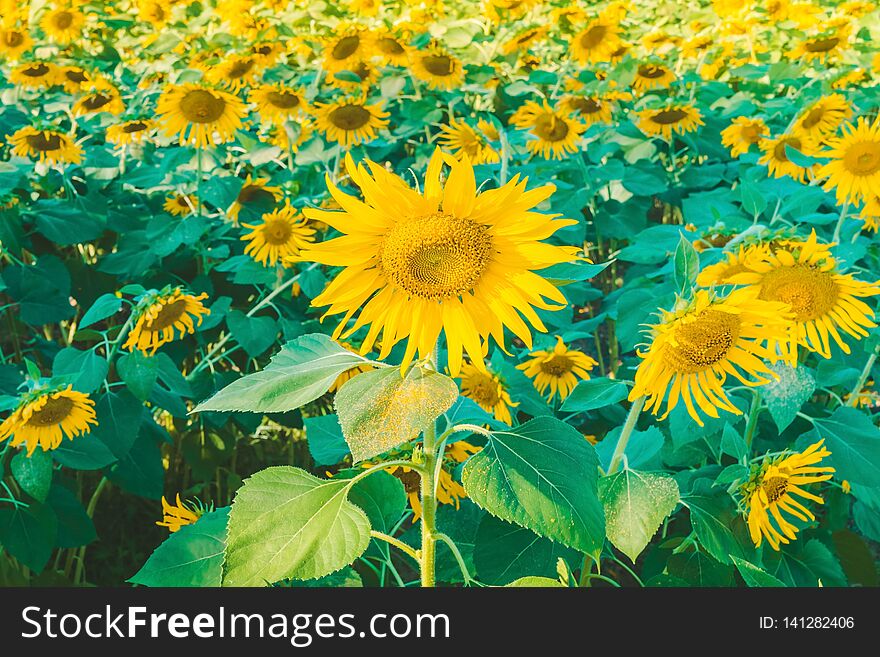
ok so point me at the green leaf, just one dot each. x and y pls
(33, 473)
(28, 534)
(804, 563)
(712, 519)
(635, 505)
(799, 158)
(854, 443)
(75, 528)
(754, 576)
(119, 416)
(733, 444)
(140, 470)
(381, 409)
(751, 198)
(139, 372)
(536, 582)
(254, 334)
(856, 558)
(686, 265)
(699, 569)
(105, 306)
(641, 449)
(326, 442)
(84, 370)
(302, 371)
(285, 523)
(191, 556)
(543, 476)
(42, 290)
(596, 393)
(382, 497)
(786, 396)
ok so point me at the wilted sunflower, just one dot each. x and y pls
(43, 418)
(34, 75)
(444, 260)
(556, 133)
(776, 156)
(164, 317)
(459, 137)
(558, 369)
(651, 76)
(350, 122)
(281, 235)
(823, 117)
(130, 132)
(696, 345)
(589, 109)
(438, 68)
(255, 195)
(63, 24)
(391, 49)
(179, 514)
(823, 47)
(102, 98)
(488, 390)
(195, 114)
(672, 119)
(597, 42)
(49, 146)
(14, 42)
(278, 102)
(234, 72)
(853, 170)
(342, 52)
(742, 134)
(805, 276)
(179, 204)
(772, 488)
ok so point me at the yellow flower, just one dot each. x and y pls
(596, 42)
(256, 195)
(696, 345)
(34, 75)
(734, 263)
(558, 369)
(445, 259)
(350, 122)
(72, 78)
(805, 276)
(49, 146)
(822, 47)
(438, 68)
(461, 138)
(556, 134)
(772, 490)
(776, 156)
(130, 132)
(163, 318)
(179, 204)
(156, 13)
(870, 214)
(179, 514)
(589, 109)
(235, 72)
(651, 76)
(742, 133)
(672, 119)
(277, 102)
(341, 53)
(850, 79)
(823, 117)
(391, 49)
(524, 39)
(280, 237)
(195, 114)
(63, 24)
(43, 419)
(103, 98)
(854, 168)
(291, 135)
(488, 390)
(14, 42)
(366, 73)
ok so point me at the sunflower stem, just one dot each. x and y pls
(863, 378)
(429, 500)
(199, 180)
(503, 173)
(625, 433)
(752, 422)
(119, 338)
(843, 214)
(400, 545)
(90, 511)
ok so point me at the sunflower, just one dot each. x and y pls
(179, 514)
(43, 418)
(652, 76)
(49, 146)
(776, 156)
(278, 102)
(266, 52)
(438, 68)
(696, 345)
(34, 75)
(772, 488)
(195, 114)
(589, 109)
(350, 122)
(73, 78)
(870, 214)
(854, 167)
(235, 72)
(255, 195)
(851, 78)
(823, 117)
(447, 260)
(279, 238)
(14, 42)
(524, 39)
(488, 390)
(805, 276)
(391, 49)
(734, 263)
(291, 135)
(130, 132)
(363, 74)
(697, 46)
(63, 24)
(742, 133)
(822, 47)
(461, 138)
(556, 134)
(156, 13)
(596, 42)
(341, 53)
(163, 317)
(103, 98)
(179, 204)
(671, 119)
(558, 369)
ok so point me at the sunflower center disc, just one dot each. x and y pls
(36, 71)
(437, 64)
(44, 142)
(586, 105)
(169, 314)
(810, 293)
(484, 390)
(549, 128)
(53, 412)
(390, 46)
(282, 99)
(349, 117)
(240, 68)
(813, 118)
(346, 47)
(75, 75)
(276, 232)
(751, 134)
(436, 257)
(557, 365)
(863, 158)
(669, 117)
(594, 36)
(779, 150)
(13, 38)
(704, 341)
(134, 126)
(63, 20)
(255, 194)
(822, 45)
(201, 106)
(651, 72)
(775, 487)
(95, 102)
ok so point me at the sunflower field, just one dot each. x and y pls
(398, 293)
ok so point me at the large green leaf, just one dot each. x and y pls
(29, 533)
(594, 393)
(713, 519)
(754, 576)
(254, 334)
(383, 499)
(139, 372)
(635, 505)
(536, 582)
(302, 371)
(33, 473)
(191, 556)
(84, 370)
(381, 409)
(326, 442)
(285, 523)
(785, 396)
(854, 443)
(543, 476)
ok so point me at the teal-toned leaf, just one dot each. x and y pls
(346, 578)
(254, 334)
(596, 393)
(733, 444)
(380, 409)
(713, 519)
(685, 265)
(804, 563)
(854, 443)
(140, 469)
(754, 576)
(33, 473)
(104, 306)
(383, 499)
(543, 476)
(640, 450)
(785, 396)
(753, 201)
(120, 415)
(699, 569)
(29, 533)
(326, 443)
(285, 523)
(139, 372)
(75, 528)
(84, 370)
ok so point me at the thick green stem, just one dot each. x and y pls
(400, 545)
(752, 422)
(863, 378)
(429, 500)
(625, 433)
(199, 180)
(90, 511)
(843, 214)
